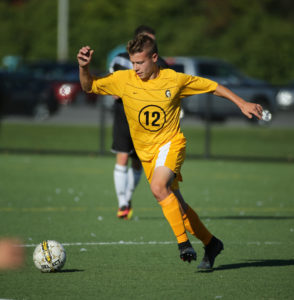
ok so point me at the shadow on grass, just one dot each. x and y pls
(241, 158)
(70, 271)
(257, 263)
(250, 218)
(150, 218)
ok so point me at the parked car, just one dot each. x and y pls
(285, 97)
(250, 89)
(63, 79)
(21, 94)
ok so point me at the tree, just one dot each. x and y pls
(258, 38)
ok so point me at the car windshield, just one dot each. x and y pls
(177, 67)
(207, 69)
(54, 71)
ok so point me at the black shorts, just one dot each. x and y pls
(122, 141)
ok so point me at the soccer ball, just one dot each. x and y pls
(49, 256)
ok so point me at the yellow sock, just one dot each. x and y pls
(194, 225)
(172, 213)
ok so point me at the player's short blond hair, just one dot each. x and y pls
(140, 43)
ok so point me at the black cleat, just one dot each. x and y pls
(212, 250)
(187, 253)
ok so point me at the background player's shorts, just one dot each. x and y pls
(170, 155)
(122, 141)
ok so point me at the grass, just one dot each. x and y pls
(71, 199)
(250, 142)
(49, 137)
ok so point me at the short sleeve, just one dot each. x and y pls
(191, 85)
(111, 84)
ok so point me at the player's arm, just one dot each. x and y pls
(84, 58)
(247, 108)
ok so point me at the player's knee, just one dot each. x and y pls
(122, 159)
(158, 190)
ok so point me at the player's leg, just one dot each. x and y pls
(161, 175)
(192, 221)
(134, 175)
(120, 176)
(122, 147)
(161, 189)
(212, 245)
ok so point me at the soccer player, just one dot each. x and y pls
(126, 179)
(151, 97)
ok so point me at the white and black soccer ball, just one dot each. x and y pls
(49, 256)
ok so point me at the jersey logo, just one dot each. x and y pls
(168, 93)
(152, 117)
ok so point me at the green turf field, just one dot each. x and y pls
(248, 142)
(71, 199)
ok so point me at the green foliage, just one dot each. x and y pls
(258, 38)
(30, 29)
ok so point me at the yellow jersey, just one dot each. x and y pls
(152, 107)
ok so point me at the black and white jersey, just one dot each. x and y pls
(122, 62)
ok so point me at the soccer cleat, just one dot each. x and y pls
(125, 212)
(212, 250)
(129, 215)
(187, 253)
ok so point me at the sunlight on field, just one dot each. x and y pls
(71, 199)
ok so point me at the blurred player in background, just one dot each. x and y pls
(126, 178)
(151, 98)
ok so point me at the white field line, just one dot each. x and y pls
(126, 243)
(109, 243)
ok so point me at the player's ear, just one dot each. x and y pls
(154, 57)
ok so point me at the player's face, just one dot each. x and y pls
(144, 65)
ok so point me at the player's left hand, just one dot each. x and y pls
(252, 109)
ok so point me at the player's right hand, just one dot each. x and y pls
(84, 56)
(11, 253)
